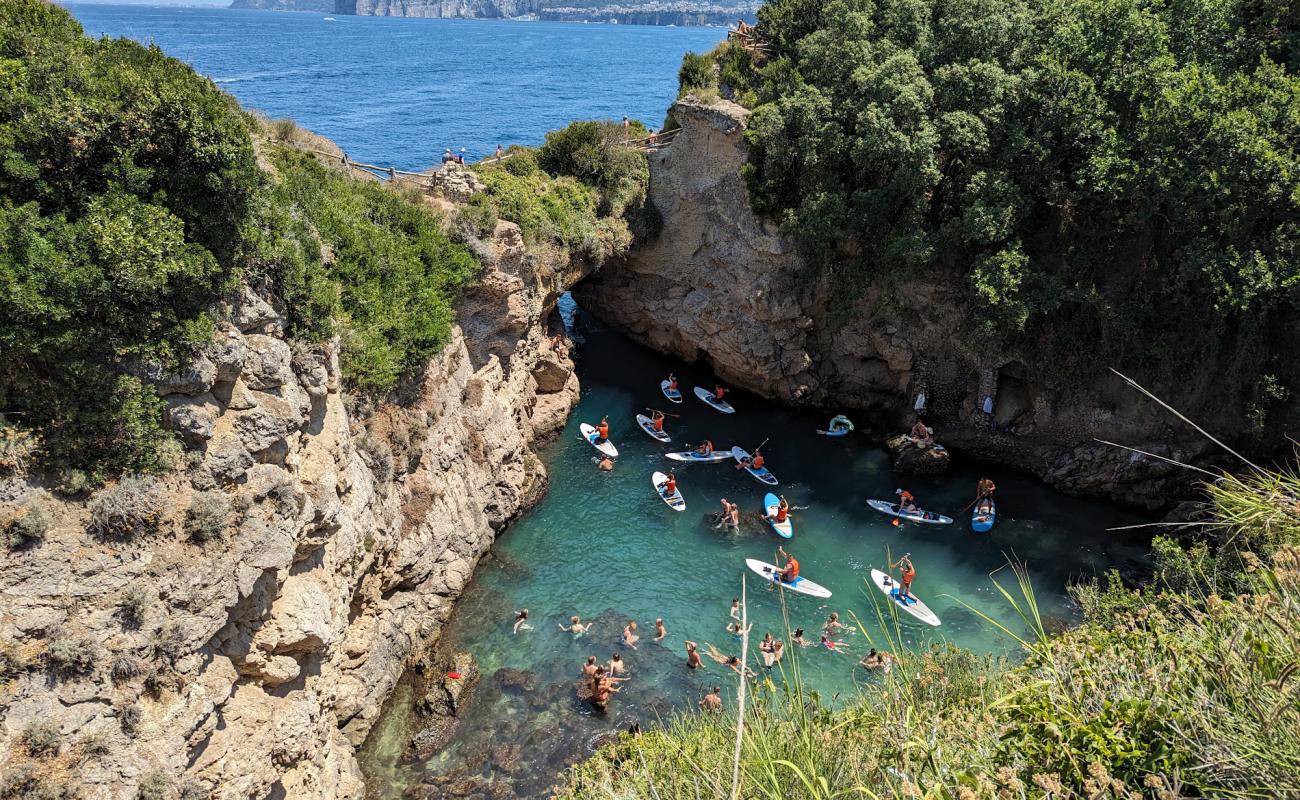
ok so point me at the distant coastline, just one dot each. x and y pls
(626, 12)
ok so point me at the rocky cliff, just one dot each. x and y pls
(629, 12)
(320, 6)
(489, 9)
(723, 285)
(252, 663)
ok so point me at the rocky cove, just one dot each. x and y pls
(255, 664)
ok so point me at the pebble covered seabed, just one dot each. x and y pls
(604, 546)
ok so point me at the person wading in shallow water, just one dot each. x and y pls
(713, 700)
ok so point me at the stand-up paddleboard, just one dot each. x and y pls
(763, 474)
(674, 395)
(983, 523)
(783, 529)
(911, 605)
(607, 447)
(720, 405)
(801, 584)
(923, 517)
(840, 426)
(648, 425)
(711, 458)
(675, 500)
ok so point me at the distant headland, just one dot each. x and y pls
(625, 12)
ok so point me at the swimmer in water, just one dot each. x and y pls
(590, 667)
(521, 621)
(616, 665)
(735, 608)
(834, 647)
(629, 635)
(605, 464)
(576, 626)
(881, 661)
(713, 700)
(833, 625)
(798, 639)
(692, 655)
(736, 631)
(660, 630)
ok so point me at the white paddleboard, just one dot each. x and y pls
(589, 433)
(675, 500)
(762, 474)
(674, 395)
(912, 606)
(923, 517)
(648, 425)
(720, 405)
(783, 529)
(801, 584)
(711, 458)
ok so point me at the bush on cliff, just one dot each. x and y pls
(124, 180)
(1158, 694)
(390, 284)
(596, 154)
(1108, 180)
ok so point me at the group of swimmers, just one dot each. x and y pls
(600, 681)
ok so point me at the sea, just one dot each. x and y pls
(398, 92)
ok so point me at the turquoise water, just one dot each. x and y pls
(603, 545)
(398, 91)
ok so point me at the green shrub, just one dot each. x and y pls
(698, 71)
(154, 786)
(478, 216)
(27, 781)
(206, 517)
(28, 526)
(17, 448)
(41, 739)
(561, 210)
(595, 153)
(130, 508)
(68, 656)
(390, 286)
(521, 163)
(133, 603)
(126, 667)
(126, 185)
(76, 482)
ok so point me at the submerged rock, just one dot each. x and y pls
(915, 458)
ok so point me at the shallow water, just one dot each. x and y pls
(604, 546)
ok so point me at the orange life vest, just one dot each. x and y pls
(603, 430)
(757, 462)
(659, 423)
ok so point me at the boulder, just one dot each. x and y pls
(193, 417)
(917, 459)
(268, 363)
(227, 352)
(552, 372)
(249, 311)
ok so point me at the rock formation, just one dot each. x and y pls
(721, 284)
(246, 651)
(320, 6)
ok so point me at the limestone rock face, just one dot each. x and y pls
(254, 663)
(724, 285)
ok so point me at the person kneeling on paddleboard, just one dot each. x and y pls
(672, 382)
(906, 501)
(658, 421)
(602, 431)
(718, 392)
(909, 572)
(789, 572)
(705, 448)
(669, 486)
(782, 512)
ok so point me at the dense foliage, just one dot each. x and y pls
(131, 203)
(390, 283)
(584, 188)
(1172, 692)
(1117, 175)
(124, 180)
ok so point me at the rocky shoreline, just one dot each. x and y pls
(255, 663)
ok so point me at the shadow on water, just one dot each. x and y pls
(603, 546)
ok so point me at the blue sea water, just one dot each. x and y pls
(395, 91)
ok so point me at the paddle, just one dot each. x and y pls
(665, 413)
(971, 503)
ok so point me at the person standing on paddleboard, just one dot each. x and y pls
(909, 572)
(985, 488)
(672, 382)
